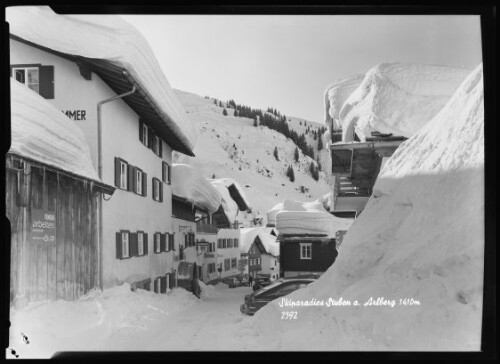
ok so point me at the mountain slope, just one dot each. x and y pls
(231, 146)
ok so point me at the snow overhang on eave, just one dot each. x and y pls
(98, 185)
(236, 196)
(120, 82)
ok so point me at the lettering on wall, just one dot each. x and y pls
(75, 114)
(43, 228)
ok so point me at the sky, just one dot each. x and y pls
(287, 61)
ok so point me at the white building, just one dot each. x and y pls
(109, 82)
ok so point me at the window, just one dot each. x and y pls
(138, 181)
(156, 147)
(224, 243)
(235, 243)
(144, 133)
(165, 175)
(121, 173)
(125, 246)
(219, 243)
(229, 243)
(37, 77)
(157, 190)
(226, 264)
(122, 245)
(157, 242)
(170, 242)
(233, 263)
(140, 243)
(305, 250)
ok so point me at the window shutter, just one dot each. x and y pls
(133, 245)
(160, 185)
(117, 172)
(145, 240)
(130, 181)
(162, 242)
(186, 239)
(141, 131)
(168, 173)
(163, 284)
(47, 81)
(172, 280)
(191, 238)
(144, 184)
(163, 172)
(150, 138)
(160, 148)
(118, 246)
(173, 241)
(134, 179)
(153, 188)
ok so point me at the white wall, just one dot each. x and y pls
(120, 134)
(270, 265)
(229, 253)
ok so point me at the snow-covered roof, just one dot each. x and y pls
(43, 133)
(112, 40)
(224, 186)
(295, 217)
(189, 184)
(395, 98)
(248, 235)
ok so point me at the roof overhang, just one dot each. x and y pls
(120, 82)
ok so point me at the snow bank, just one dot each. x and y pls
(228, 204)
(420, 237)
(97, 321)
(295, 217)
(397, 98)
(188, 183)
(106, 37)
(43, 133)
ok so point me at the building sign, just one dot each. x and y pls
(43, 226)
(75, 114)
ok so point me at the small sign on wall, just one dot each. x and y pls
(43, 226)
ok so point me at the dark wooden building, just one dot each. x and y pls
(302, 255)
(54, 242)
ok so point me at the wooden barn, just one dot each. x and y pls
(51, 202)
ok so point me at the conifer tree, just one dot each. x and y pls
(276, 153)
(255, 122)
(224, 112)
(296, 154)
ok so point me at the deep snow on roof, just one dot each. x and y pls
(43, 133)
(105, 37)
(395, 98)
(421, 236)
(248, 236)
(229, 205)
(189, 184)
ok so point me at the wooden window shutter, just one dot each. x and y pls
(130, 179)
(172, 280)
(146, 245)
(162, 242)
(186, 239)
(150, 138)
(117, 172)
(163, 172)
(133, 245)
(168, 173)
(47, 81)
(160, 186)
(163, 284)
(173, 241)
(144, 184)
(134, 186)
(191, 238)
(118, 246)
(160, 148)
(141, 131)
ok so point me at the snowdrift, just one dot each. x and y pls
(43, 133)
(188, 183)
(109, 38)
(294, 217)
(396, 98)
(420, 238)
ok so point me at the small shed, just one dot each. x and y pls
(51, 202)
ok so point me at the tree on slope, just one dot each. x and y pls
(290, 174)
(296, 154)
(276, 153)
(224, 112)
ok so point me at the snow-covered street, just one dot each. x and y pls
(118, 320)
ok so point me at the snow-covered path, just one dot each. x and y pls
(121, 320)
